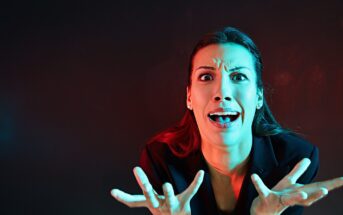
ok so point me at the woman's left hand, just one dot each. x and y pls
(288, 193)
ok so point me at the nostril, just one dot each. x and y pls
(226, 98)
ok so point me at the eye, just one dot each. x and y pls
(238, 77)
(205, 77)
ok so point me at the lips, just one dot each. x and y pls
(223, 117)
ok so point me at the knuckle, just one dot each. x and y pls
(170, 209)
(289, 179)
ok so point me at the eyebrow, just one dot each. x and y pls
(213, 68)
(205, 67)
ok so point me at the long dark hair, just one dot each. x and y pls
(184, 137)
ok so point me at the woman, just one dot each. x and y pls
(241, 157)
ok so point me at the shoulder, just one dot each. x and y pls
(161, 165)
(157, 152)
(292, 146)
(153, 163)
(158, 163)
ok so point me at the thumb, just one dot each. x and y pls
(194, 186)
(261, 188)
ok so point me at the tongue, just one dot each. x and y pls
(222, 119)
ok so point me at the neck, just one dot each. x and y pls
(227, 168)
(230, 160)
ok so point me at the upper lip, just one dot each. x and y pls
(223, 110)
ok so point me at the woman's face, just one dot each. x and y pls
(223, 94)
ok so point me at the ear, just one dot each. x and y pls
(259, 98)
(188, 100)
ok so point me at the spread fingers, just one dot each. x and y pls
(128, 199)
(146, 187)
(169, 195)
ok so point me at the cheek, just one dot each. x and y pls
(248, 99)
(200, 97)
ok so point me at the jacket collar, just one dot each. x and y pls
(262, 161)
(262, 158)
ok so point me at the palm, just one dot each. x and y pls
(179, 207)
(175, 205)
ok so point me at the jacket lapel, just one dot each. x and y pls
(264, 163)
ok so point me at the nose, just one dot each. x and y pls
(223, 92)
(218, 98)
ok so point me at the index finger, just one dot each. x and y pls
(146, 187)
(141, 177)
(297, 171)
(194, 186)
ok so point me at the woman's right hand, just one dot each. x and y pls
(167, 203)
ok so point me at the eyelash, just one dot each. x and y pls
(232, 76)
(205, 74)
(239, 74)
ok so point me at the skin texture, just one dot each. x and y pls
(168, 203)
(269, 202)
(223, 76)
(288, 193)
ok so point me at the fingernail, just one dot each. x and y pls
(201, 174)
(136, 168)
(306, 161)
(166, 186)
(325, 191)
(155, 204)
(303, 195)
(114, 192)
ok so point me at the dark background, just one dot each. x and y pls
(83, 85)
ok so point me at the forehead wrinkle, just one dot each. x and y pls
(221, 64)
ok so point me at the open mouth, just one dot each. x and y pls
(223, 117)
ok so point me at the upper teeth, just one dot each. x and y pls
(223, 113)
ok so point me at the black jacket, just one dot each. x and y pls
(271, 158)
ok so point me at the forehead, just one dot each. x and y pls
(230, 54)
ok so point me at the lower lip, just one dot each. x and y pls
(223, 125)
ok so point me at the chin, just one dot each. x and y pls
(226, 140)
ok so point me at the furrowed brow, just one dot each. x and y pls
(238, 68)
(205, 67)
